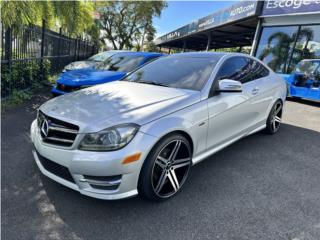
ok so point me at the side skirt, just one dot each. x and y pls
(222, 146)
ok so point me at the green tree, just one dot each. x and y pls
(129, 22)
(278, 47)
(73, 16)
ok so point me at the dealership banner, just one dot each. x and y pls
(238, 11)
(287, 7)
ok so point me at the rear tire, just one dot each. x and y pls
(166, 168)
(274, 118)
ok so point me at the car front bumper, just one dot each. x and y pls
(96, 165)
(57, 92)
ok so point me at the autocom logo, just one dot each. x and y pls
(242, 9)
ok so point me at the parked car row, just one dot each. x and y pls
(113, 65)
(100, 68)
(142, 133)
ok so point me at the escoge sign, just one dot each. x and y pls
(280, 7)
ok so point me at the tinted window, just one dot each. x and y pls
(178, 72)
(257, 70)
(121, 63)
(235, 68)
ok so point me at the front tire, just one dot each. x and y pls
(274, 118)
(166, 168)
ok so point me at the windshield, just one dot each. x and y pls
(101, 57)
(121, 63)
(177, 72)
(307, 67)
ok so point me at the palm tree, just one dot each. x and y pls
(279, 50)
(282, 51)
(73, 16)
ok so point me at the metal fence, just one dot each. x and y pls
(30, 53)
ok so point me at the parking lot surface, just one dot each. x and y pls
(262, 187)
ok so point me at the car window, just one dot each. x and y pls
(121, 63)
(242, 69)
(235, 68)
(151, 58)
(177, 72)
(257, 70)
(307, 67)
(101, 57)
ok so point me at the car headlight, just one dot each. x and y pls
(110, 139)
(68, 67)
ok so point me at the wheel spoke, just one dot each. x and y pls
(175, 150)
(173, 179)
(181, 160)
(161, 182)
(161, 162)
(181, 163)
(274, 125)
(277, 119)
(277, 110)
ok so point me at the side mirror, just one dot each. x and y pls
(227, 85)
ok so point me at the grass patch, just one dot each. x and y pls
(17, 98)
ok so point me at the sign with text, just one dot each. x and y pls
(238, 11)
(280, 7)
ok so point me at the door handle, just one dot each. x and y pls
(255, 91)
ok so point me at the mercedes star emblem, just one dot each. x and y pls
(45, 127)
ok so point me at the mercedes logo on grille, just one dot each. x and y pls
(45, 128)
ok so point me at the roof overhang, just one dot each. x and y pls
(231, 27)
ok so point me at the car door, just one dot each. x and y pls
(230, 114)
(262, 91)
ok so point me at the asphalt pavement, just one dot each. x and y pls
(262, 187)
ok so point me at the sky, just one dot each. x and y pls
(180, 13)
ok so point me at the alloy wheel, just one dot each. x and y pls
(171, 168)
(276, 117)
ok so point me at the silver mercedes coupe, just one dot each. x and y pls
(143, 133)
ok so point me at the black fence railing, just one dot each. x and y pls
(30, 53)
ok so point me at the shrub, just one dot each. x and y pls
(23, 75)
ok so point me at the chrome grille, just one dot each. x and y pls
(57, 132)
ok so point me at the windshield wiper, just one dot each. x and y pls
(152, 83)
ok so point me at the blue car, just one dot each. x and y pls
(304, 81)
(92, 61)
(114, 68)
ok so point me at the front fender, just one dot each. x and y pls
(164, 126)
(193, 121)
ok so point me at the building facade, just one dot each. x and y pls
(280, 32)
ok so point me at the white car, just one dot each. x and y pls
(143, 133)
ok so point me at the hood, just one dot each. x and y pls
(96, 108)
(80, 65)
(88, 77)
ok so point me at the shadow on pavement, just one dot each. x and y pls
(305, 101)
(262, 187)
